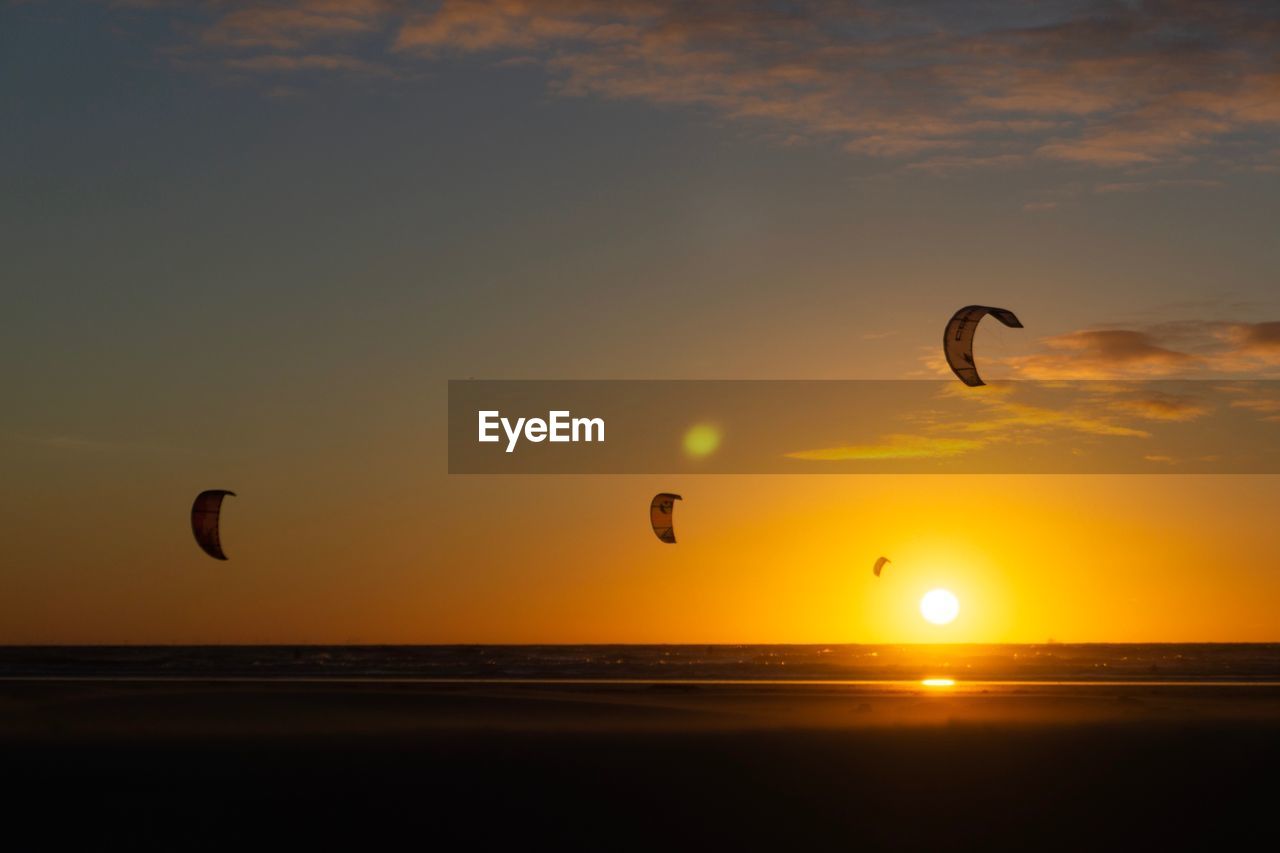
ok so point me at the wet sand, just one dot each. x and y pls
(204, 764)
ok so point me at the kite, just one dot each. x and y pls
(957, 340)
(660, 516)
(204, 521)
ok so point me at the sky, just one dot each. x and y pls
(246, 245)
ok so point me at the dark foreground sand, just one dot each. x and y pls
(208, 765)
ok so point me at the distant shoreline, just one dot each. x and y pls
(884, 665)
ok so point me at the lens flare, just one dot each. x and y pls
(701, 440)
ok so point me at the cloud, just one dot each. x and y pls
(1113, 419)
(1102, 354)
(961, 163)
(292, 25)
(310, 62)
(953, 428)
(468, 26)
(1163, 407)
(1189, 349)
(1258, 340)
(932, 87)
(1264, 405)
(1137, 139)
(1143, 186)
(1009, 419)
(1183, 350)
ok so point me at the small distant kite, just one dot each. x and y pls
(957, 340)
(204, 521)
(879, 566)
(661, 516)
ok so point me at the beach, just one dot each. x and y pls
(204, 763)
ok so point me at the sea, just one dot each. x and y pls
(1050, 662)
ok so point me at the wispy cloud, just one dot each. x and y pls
(1266, 406)
(306, 62)
(1189, 349)
(291, 25)
(968, 420)
(1101, 354)
(933, 88)
(1162, 407)
(1156, 421)
(1143, 186)
(1007, 418)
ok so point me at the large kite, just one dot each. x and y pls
(957, 340)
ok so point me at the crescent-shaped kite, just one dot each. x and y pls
(957, 340)
(880, 565)
(204, 521)
(661, 510)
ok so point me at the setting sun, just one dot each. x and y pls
(939, 606)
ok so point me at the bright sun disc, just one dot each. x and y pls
(939, 606)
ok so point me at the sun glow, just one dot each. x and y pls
(939, 606)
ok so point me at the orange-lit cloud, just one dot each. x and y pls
(1162, 407)
(1002, 418)
(1267, 406)
(934, 88)
(1101, 354)
(293, 25)
(306, 62)
(1170, 350)
(1008, 419)
(1255, 340)
(1143, 186)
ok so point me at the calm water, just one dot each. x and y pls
(1051, 662)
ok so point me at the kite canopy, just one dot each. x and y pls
(204, 521)
(957, 340)
(880, 565)
(661, 516)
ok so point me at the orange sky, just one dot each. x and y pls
(760, 559)
(247, 245)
